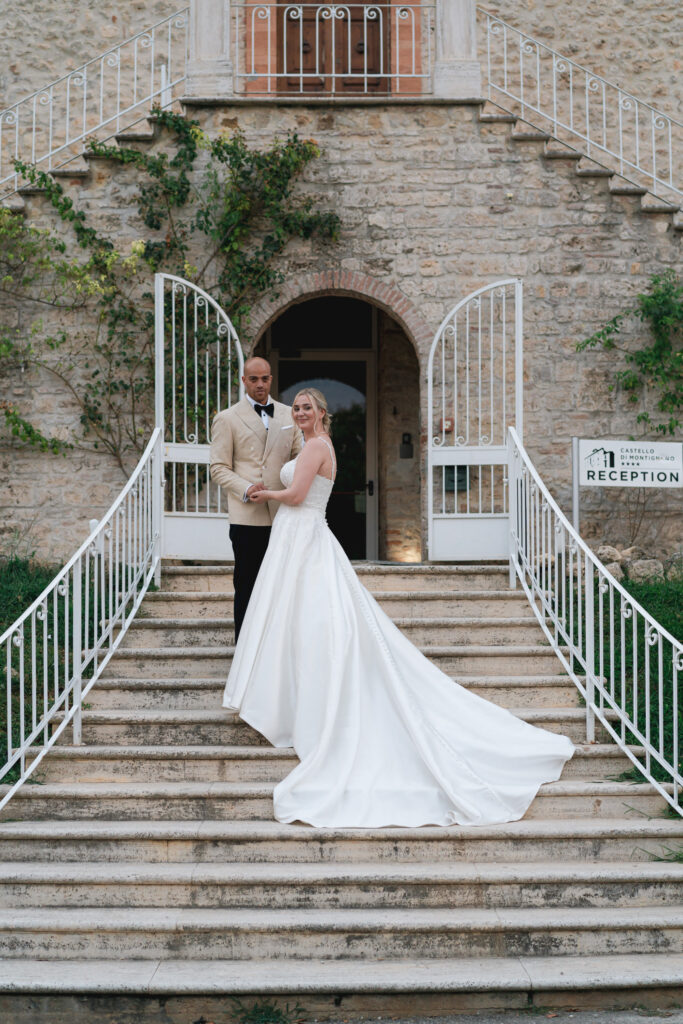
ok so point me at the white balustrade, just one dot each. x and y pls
(333, 49)
(572, 103)
(110, 93)
(56, 651)
(625, 665)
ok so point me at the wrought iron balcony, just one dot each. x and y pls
(310, 49)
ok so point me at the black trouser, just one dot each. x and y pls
(249, 545)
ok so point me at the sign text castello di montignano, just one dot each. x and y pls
(630, 464)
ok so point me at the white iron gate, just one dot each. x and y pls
(199, 366)
(474, 395)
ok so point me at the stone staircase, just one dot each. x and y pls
(82, 171)
(146, 866)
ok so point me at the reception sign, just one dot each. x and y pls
(630, 464)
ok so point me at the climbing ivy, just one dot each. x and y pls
(657, 365)
(215, 210)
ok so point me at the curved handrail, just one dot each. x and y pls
(625, 665)
(57, 649)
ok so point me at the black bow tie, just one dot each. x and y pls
(268, 409)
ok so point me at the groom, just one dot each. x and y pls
(250, 443)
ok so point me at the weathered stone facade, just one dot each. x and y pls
(634, 43)
(434, 203)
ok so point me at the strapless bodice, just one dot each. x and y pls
(318, 494)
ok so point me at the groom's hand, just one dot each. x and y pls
(260, 486)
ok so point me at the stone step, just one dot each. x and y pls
(587, 168)
(14, 203)
(523, 131)
(176, 694)
(396, 603)
(651, 203)
(327, 886)
(73, 173)
(207, 662)
(245, 763)
(556, 150)
(224, 801)
(220, 726)
(374, 576)
(577, 840)
(216, 632)
(95, 991)
(492, 113)
(296, 934)
(623, 187)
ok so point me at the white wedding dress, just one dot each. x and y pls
(383, 736)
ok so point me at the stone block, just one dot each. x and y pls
(645, 569)
(608, 554)
(614, 569)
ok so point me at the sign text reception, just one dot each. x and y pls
(630, 464)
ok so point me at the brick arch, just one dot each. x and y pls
(343, 282)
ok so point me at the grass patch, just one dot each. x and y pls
(663, 599)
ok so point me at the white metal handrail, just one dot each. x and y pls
(55, 652)
(624, 664)
(333, 48)
(109, 93)
(582, 108)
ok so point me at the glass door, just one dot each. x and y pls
(347, 381)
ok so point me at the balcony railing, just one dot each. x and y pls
(333, 49)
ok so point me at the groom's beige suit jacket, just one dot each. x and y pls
(243, 452)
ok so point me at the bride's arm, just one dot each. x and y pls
(308, 463)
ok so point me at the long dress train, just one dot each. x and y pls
(383, 736)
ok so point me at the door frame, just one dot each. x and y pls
(357, 355)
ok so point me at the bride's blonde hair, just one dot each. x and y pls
(319, 400)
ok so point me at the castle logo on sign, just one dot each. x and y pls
(630, 464)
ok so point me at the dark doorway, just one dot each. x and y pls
(329, 343)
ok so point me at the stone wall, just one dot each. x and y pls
(433, 205)
(399, 478)
(635, 43)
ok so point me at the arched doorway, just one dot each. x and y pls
(366, 366)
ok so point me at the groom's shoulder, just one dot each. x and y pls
(282, 407)
(231, 412)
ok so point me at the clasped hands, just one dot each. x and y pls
(254, 493)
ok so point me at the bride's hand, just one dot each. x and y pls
(260, 496)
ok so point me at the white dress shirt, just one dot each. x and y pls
(264, 415)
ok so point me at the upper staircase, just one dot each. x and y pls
(153, 844)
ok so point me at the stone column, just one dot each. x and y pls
(457, 71)
(210, 71)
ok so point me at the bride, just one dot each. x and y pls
(383, 736)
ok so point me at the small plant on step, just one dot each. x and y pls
(265, 1012)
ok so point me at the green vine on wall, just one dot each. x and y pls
(656, 366)
(215, 210)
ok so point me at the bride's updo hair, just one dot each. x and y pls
(319, 400)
